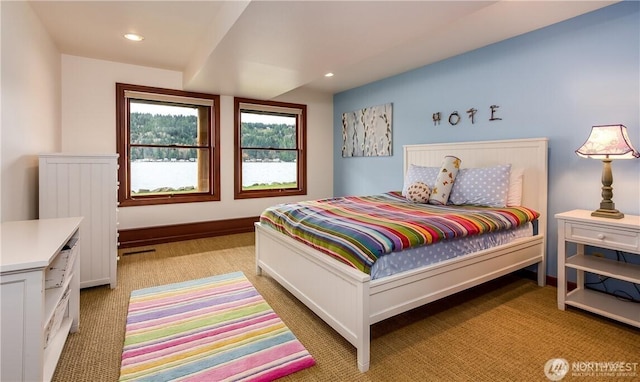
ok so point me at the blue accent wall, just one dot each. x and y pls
(555, 82)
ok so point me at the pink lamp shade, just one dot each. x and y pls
(608, 142)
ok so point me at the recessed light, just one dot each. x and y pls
(329, 74)
(133, 37)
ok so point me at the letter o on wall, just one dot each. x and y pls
(454, 118)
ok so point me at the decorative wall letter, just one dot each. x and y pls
(367, 132)
(472, 113)
(454, 118)
(436, 118)
(493, 110)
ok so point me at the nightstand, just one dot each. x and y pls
(579, 227)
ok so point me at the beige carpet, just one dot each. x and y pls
(505, 330)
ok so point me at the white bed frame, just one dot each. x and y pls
(350, 302)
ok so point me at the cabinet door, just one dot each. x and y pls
(22, 302)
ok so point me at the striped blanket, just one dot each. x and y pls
(358, 230)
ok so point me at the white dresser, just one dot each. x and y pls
(85, 185)
(36, 321)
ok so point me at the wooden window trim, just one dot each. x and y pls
(302, 152)
(122, 147)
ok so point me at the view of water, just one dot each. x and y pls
(152, 175)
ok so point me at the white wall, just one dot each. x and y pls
(88, 125)
(30, 107)
(89, 100)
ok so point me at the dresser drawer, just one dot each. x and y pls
(619, 239)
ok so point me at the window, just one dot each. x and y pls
(168, 144)
(270, 148)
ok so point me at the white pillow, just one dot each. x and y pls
(445, 181)
(516, 179)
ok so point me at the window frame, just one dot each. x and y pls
(123, 146)
(301, 147)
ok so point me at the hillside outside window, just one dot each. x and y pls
(168, 146)
(270, 148)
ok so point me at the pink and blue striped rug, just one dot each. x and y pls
(212, 329)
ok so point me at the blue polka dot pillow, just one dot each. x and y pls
(426, 175)
(488, 186)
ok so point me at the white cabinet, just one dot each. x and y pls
(87, 186)
(579, 227)
(35, 321)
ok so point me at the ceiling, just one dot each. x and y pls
(263, 49)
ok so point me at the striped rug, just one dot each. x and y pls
(213, 329)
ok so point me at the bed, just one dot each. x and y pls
(350, 301)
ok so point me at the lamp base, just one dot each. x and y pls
(606, 213)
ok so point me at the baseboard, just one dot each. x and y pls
(138, 237)
(551, 281)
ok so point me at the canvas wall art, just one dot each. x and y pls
(367, 132)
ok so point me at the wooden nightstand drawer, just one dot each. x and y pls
(599, 236)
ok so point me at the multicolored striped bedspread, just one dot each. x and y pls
(357, 230)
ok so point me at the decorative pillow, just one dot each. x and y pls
(426, 175)
(516, 179)
(444, 182)
(418, 192)
(485, 186)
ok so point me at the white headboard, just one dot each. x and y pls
(530, 154)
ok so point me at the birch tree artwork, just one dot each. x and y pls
(367, 132)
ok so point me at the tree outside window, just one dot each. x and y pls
(270, 148)
(168, 145)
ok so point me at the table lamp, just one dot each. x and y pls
(608, 142)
